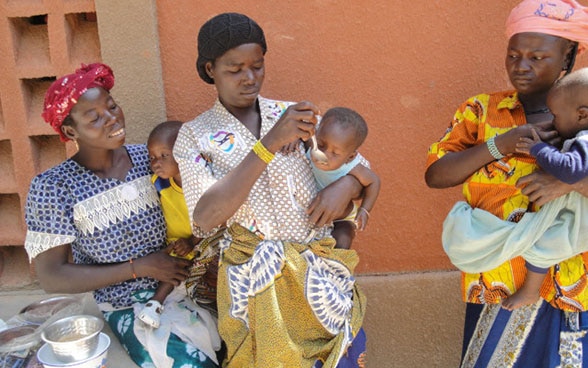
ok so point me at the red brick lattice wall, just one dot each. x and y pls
(39, 40)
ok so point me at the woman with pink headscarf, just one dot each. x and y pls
(479, 152)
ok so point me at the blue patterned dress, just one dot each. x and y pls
(105, 220)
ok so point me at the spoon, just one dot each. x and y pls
(318, 156)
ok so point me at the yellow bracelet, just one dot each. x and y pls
(262, 152)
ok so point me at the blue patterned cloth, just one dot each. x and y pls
(122, 324)
(537, 335)
(104, 220)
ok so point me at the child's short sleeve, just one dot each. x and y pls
(48, 215)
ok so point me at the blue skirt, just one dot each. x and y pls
(355, 356)
(537, 335)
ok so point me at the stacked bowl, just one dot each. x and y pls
(74, 342)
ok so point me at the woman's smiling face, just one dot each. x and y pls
(97, 120)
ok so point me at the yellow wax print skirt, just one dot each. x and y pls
(286, 304)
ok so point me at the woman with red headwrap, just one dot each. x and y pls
(100, 205)
(479, 151)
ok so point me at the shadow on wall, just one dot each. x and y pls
(16, 273)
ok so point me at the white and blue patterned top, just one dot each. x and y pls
(215, 142)
(105, 220)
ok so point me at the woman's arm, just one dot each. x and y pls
(224, 197)
(57, 275)
(542, 187)
(331, 202)
(455, 167)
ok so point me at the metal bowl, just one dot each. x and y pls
(50, 309)
(18, 338)
(46, 357)
(73, 338)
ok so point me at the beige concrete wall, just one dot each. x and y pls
(413, 320)
(130, 45)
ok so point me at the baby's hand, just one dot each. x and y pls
(291, 147)
(182, 247)
(525, 144)
(361, 219)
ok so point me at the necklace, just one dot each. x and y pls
(544, 110)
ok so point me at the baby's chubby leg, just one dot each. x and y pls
(529, 292)
(343, 232)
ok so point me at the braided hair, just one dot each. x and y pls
(222, 33)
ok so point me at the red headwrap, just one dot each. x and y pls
(561, 18)
(64, 93)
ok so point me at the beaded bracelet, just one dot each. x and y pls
(132, 268)
(493, 149)
(262, 152)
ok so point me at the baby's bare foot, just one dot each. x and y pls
(524, 296)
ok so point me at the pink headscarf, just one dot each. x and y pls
(64, 93)
(561, 18)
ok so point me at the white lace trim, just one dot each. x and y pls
(114, 205)
(36, 243)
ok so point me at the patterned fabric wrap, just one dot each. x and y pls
(562, 18)
(104, 220)
(64, 93)
(259, 280)
(122, 323)
(537, 335)
(493, 188)
(201, 282)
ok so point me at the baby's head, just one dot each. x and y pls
(568, 102)
(341, 132)
(160, 145)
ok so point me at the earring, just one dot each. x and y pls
(76, 143)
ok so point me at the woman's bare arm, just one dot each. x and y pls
(542, 187)
(57, 275)
(225, 197)
(331, 202)
(455, 167)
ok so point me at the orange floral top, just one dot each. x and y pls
(493, 188)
